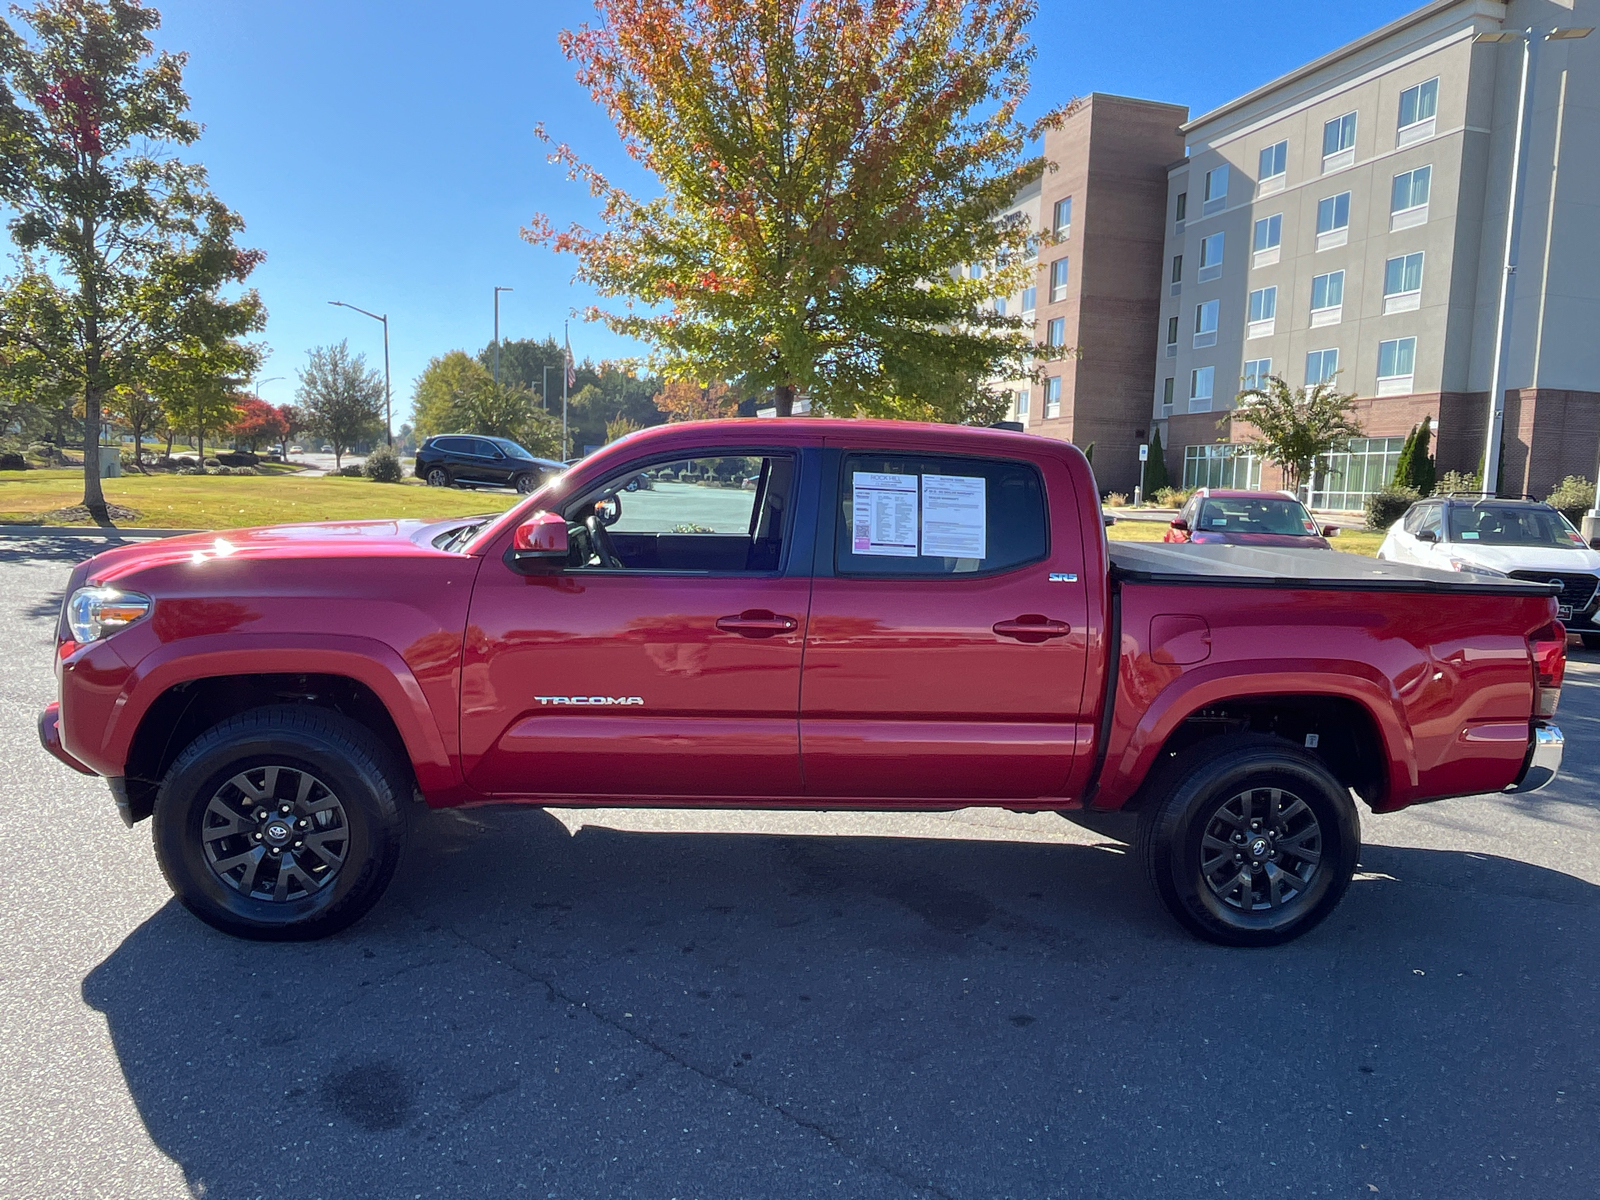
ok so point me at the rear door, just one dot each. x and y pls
(947, 648)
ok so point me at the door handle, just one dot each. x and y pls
(1032, 629)
(757, 623)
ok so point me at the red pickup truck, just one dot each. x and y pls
(792, 614)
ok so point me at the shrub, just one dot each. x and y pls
(1169, 497)
(220, 471)
(191, 471)
(239, 458)
(213, 462)
(245, 471)
(11, 461)
(383, 466)
(351, 471)
(1573, 498)
(1115, 500)
(42, 450)
(1459, 481)
(1388, 505)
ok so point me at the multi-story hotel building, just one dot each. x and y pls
(1348, 221)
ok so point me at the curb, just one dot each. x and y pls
(115, 533)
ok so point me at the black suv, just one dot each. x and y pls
(470, 460)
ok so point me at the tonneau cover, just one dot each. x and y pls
(1320, 570)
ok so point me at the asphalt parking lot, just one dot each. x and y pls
(731, 1004)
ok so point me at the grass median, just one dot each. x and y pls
(232, 502)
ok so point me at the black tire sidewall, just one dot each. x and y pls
(1173, 846)
(375, 820)
(438, 477)
(524, 484)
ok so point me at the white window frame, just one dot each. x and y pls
(1419, 129)
(1212, 251)
(1268, 183)
(1265, 256)
(1062, 229)
(1334, 235)
(1052, 397)
(1202, 377)
(1344, 155)
(1207, 316)
(1167, 387)
(1055, 333)
(1263, 312)
(1029, 293)
(1328, 314)
(1023, 398)
(1172, 336)
(1412, 214)
(1255, 373)
(1213, 200)
(1058, 289)
(1322, 362)
(1397, 384)
(1403, 299)
(1000, 305)
(1176, 281)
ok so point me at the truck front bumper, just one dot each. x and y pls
(1544, 759)
(50, 737)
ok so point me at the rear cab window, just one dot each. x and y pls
(926, 516)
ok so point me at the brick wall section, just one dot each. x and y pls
(1112, 155)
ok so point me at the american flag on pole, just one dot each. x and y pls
(572, 374)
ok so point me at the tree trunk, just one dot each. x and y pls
(783, 398)
(171, 433)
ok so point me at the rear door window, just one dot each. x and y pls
(915, 515)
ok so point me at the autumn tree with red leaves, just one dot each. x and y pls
(257, 422)
(683, 400)
(829, 169)
(125, 248)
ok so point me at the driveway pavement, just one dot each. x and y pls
(736, 1005)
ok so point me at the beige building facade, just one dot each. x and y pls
(1348, 221)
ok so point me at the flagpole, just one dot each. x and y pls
(566, 373)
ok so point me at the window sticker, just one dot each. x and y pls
(954, 516)
(884, 517)
(1469, 535)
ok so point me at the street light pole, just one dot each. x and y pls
(497, 292)
(1530, 39)
(388, 423)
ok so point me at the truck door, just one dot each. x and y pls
(665, 660)
(946, 654)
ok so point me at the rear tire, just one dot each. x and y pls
(1249, 841)
(1591, 641)
(282, 823)
(438, 477)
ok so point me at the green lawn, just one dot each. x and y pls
(229, 502)
(1351, 541)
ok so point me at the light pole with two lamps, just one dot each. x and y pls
(388, 429)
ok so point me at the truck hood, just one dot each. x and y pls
(323, 539)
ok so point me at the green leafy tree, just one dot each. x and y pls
(199, 385)
(132, 249)
(1415, 467)
(1155, 467)
(828, 171)
(446, 376)
(139, 412)
(1293, 426)
(342, 397)
(523, 362)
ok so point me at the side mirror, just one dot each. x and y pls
(1329, 530)
(539, 545)
(1108, 519)
(1180, 524)
(1427, 535)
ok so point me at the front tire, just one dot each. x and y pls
(282, 823)
(1249, 841)
(1591, 641)
(438, 477)
(525, 483)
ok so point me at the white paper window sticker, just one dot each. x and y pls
(1469, 535)
(954, 516)
(884, 514)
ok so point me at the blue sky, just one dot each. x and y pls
(380, 151)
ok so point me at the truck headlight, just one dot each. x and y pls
(93, 612)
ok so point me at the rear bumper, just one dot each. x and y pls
(1544, 760)
(50, 737)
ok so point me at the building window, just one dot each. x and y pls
(1031, 252)
(1408, 198)
(1056, 332)
(1000, 305)
(1327, 298)
(1022, 404)
(1321, 367)
(1255, 374)
(1266, 241)
(1402, 283)
(1221, 465)
(1339, 142)
(1333, 221)
(1397, 362)
(1183, 207)
(1052, 396)
(1210, 258)
(1172, 337)
(1058, 280)
(1216, 196)
(1418, 106)
(1343, 480)
(1201, 381)
(1177, 268)
(1274, 165)
(1063, 221)
(1263, 312)
(975, 271)
(1030, 296)
(1166, 396)
(1205, 323)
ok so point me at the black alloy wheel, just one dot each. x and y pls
(1249, 840)
(525, 482)
(438, 477)
(282, 823)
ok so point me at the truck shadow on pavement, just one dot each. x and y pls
(734, 1015)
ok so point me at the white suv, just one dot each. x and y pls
(1520, 538)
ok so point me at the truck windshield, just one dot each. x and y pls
(1512, 525)
(1251, 514)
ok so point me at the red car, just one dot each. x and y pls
(796, 614)
(1247, 519)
